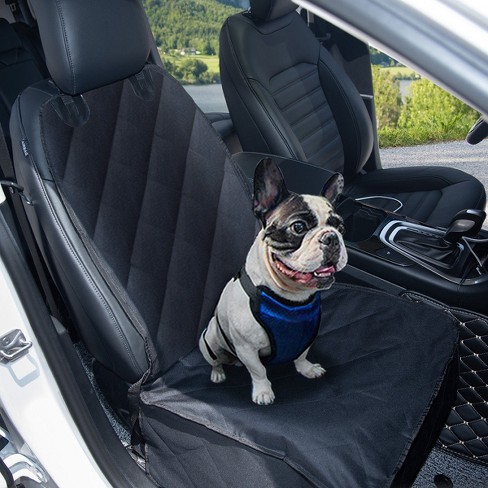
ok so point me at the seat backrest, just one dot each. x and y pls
(286, 94)
(18, 70)
(138, 208)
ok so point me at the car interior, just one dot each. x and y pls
(132, 209)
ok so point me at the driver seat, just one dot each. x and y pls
(288, 96)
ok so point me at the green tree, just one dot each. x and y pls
(208, 49)
(388, 98)
(429, 108)
(379, 58)
(172, 68)
(180, 24)
(429, 114)
(193, 69)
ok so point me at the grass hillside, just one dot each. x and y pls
(179, 24)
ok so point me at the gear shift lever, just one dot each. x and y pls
(465, 223)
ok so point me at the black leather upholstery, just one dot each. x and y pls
(8, 39)
(428, 193)
(267, 9)
(74, 56)
(112, 191)
(18, 70)
(287, 96)
(277, 102)
(466, 429)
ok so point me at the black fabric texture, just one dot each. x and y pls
(181, 454)
(386, 360)
(155, 192)
(298, 95)
(142, 217)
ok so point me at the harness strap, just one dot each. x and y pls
(291, 326)
(249, 287)
(207, 346)
(226, 339)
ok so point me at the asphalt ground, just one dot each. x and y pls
(458, 154)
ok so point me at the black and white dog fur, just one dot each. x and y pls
(297, 252)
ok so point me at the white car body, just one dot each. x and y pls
(444, 40)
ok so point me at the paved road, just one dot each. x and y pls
(461, 155)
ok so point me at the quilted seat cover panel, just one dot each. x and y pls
(385, 358)
(154, 191)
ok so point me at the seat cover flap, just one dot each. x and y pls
(386, 359)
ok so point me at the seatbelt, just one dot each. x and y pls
(14, 8)
(317, 28)
(34, 259)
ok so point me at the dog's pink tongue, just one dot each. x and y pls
(303, 277)
(325, 270)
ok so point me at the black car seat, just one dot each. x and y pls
(19, 68)
(142, 216)
(287, 96)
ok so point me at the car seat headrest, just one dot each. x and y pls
(266, 10)
(9, 40)
(92, 43)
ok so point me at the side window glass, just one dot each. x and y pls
(412, 110)
(422, 123)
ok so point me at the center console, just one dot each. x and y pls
(416, 256)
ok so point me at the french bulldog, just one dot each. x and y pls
(270, 312)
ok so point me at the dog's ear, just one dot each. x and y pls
(269, 188)
(333, 188)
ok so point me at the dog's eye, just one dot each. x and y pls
(298, 227)
(336, 221)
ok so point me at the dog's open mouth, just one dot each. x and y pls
(310, 277)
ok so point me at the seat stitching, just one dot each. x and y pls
(251, 88)
(293, 82)
(322, 148)
(221, 189)
(317, 111)
(348, 105)
(141, 203)
(305, 95)
(178, 209)
(80, 264)
(313, 112)
(100, 204)
(66, 43)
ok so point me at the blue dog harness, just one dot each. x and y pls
(291, 326)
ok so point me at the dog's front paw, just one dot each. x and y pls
(263, 394)
(217, 375)
(263, 397)
(310, 370)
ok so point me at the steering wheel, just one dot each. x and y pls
(478, 132)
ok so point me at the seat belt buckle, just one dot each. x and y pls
(15, 188)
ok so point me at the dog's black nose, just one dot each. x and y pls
(329, 239)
